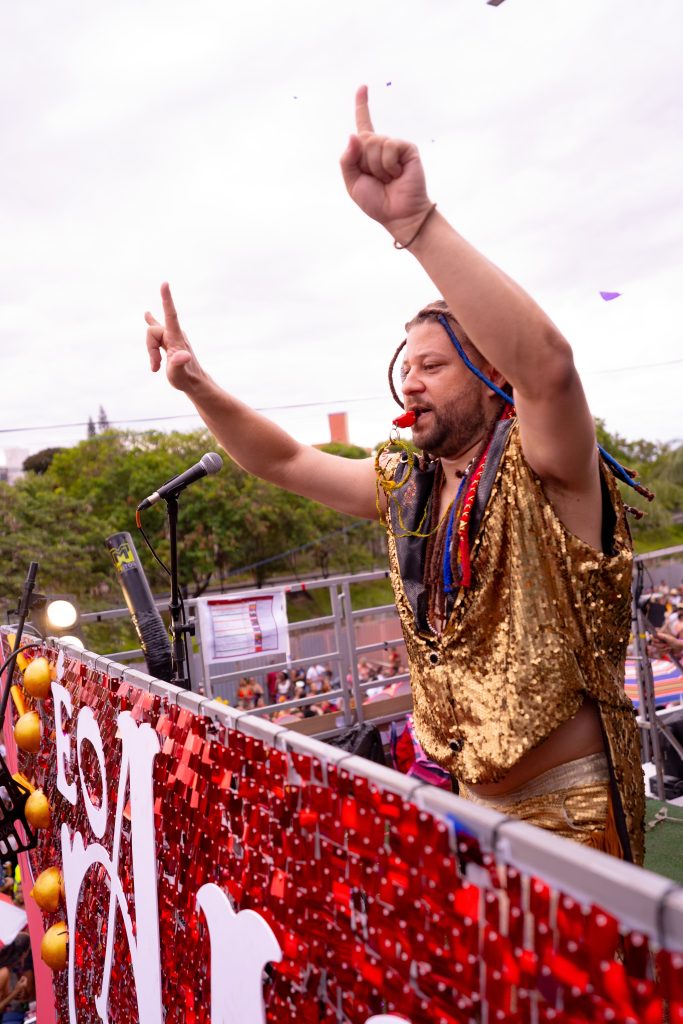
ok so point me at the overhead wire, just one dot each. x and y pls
(194, 415)
(298, 405)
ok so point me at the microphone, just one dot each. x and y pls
(207, 465)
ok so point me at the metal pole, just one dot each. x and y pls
(24, 607)
(639, 654)
(351, 639)
(646, 685)
(345, 659)
(178, 627)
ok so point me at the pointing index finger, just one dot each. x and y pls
(363, 119)
(170, 315)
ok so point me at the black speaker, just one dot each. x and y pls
(148, 623)
(673, 763)
(654, 612)
(362, 739)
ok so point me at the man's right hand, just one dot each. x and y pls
(255, 443)
(182, 368)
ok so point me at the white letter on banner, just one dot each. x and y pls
(62, 699)
(241, 945)
(87, 729)
(140, 745)
(387, 1018)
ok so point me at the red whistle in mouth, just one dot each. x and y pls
(406, 420)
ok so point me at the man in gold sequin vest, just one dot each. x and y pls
(512, 578)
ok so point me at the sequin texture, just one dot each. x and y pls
(544, 625)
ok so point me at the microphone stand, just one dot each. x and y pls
(23, 610)
(179, 628)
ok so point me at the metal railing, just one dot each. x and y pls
(640, 899)
(338, 645)
(654, 725)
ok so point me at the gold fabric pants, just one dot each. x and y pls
(573, 800)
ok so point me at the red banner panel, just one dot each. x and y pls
(210, 877)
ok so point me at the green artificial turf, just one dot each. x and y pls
(664, 842)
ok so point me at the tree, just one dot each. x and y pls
(40, 461)
(348, 451)
(660, 468)
(102, 421)
(91, 427)
(34, 526)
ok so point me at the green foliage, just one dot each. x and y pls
(110, 636)
(233, 528)
(391, 446)
(40, 461)
(227, 522)
(660, 468)
(313, 604)
(347, 451)
(372, 594)
(39, 524)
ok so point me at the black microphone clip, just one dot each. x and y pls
(207, 466)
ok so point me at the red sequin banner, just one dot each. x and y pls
(377, 906)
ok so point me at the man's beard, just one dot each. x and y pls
(453, 428)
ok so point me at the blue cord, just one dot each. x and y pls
(468, 362)
(447, 569)
(616, 467)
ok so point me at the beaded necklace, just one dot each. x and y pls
(456, 566)
(447, 562)
(622, 473)
(451, 548)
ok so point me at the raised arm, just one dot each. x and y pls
(253, 441)
(385, 178)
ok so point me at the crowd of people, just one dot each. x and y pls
(17, 987)
(297, 684)
(664, 610)
(317, 680)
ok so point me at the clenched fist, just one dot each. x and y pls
(384, 176)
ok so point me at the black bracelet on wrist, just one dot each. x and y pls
(430, 211)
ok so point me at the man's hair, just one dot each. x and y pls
(430, 314)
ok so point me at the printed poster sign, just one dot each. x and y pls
(243, 626)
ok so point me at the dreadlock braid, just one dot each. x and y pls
(431, 313)
(392, 364)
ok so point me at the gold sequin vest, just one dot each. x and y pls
(545, 623)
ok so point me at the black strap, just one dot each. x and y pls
(488, 477)
(414, 501)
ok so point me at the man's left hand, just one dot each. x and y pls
(384, 176)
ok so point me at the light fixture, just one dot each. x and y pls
(73, 641)
(60, 613)
(54, 614)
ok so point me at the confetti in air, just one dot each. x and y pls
(608, 296)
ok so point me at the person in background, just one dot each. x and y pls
(284, 688)
(8, 882)
(17, 987)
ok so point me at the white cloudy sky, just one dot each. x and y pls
(199, 143)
